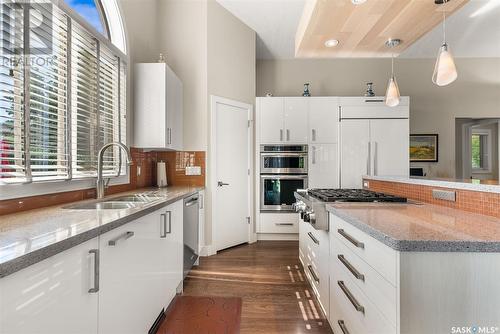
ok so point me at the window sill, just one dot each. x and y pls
(12, 191)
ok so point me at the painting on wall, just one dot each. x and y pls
(424, 148)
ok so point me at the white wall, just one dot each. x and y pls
(433, 109)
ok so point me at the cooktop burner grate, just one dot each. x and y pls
(353, 195)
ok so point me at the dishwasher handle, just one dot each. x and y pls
(191, 201)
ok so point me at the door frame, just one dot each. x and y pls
(214, 101)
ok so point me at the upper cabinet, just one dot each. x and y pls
(283, 120)
(158, 117)
(298, 120)
(323, 120)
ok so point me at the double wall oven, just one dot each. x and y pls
(283, 170)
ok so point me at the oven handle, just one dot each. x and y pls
(286, 177)
(285, 155)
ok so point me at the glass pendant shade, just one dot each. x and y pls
(392, 96)
(445, 71)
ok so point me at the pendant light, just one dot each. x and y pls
(392, 96)
(445, 71)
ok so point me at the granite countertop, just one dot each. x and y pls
(415, 227)
(32, 236)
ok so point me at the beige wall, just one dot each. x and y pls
(139, 17)
(433, 109)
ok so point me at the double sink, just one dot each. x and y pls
(117, 203)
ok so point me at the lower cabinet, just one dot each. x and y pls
(141, 267)
(116, 283)
(52, 296)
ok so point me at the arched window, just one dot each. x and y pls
(64, 92)
(104, 16)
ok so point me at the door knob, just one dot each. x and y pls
(222, 184)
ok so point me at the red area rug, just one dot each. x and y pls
(202, 315)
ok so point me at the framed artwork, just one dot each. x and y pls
(424, 148)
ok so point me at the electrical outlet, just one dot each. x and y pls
(138, 170)
(444, 195)
(193, 170)
(366, 184)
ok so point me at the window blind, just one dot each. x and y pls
(48, 88)
(12, 115)
(58, 111)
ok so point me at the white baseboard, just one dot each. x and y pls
(277, 236)
(207, 250)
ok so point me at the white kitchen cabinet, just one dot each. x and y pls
(390, 146)
(373, 147)
(52, 296)
(323, 166)
(354, 157)
(271, 120)
(141, 267)
(158, 117)
(296, 119)
(283, 120)
(323, 120)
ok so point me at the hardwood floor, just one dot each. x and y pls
(269, 278)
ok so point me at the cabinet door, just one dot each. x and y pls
(174, 111)
(390, 147)
(295, 117)
(150, 122)
(172, 250)
(323, 120)
(133, 276)
(271, 120)
(355, 157)
(52, 296)
(323, 166)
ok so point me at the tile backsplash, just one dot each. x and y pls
(485, 203)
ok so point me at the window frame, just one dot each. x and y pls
(41, 187)
(487, 133)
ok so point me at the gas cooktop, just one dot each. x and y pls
(353, 195)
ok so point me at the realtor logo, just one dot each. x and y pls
(19, 15)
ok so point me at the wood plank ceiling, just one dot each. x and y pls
(363, 29)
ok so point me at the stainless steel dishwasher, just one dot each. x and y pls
(191, 231)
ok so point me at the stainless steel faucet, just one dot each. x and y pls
(101, 186)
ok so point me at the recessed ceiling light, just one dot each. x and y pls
(358, 2)
(331, 43)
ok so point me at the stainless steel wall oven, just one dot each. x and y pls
(283, 170)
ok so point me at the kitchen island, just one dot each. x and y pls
(412, 268)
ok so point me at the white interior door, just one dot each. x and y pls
(231, 185)
(355, 156)
(390, 147)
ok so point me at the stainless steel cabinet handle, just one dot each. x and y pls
(124, 236)
(313, 134)
(287, 135)
(281, 134)
(375, 156)
(351, 268)
(171, 135)
(314, 155)
(316, 241)
(284, 224)
(351, 239)
(95, 252)
(169, 213)
(343, 327)
(202, 203)
(168, 136)
(369, 159)
(163, 226)
(351, 298)
(311, 270)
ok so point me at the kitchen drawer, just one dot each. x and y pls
(369, 320)
(379, 256)
(380, 292)
(318, 276)
(279, 223)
